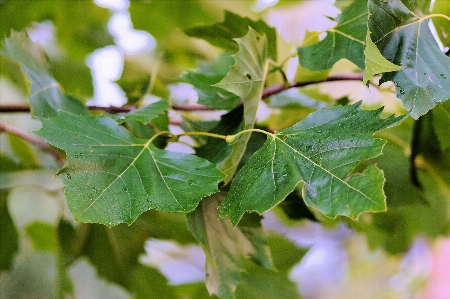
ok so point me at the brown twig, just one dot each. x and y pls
(33, 140)
(197, 107)
(281, 87)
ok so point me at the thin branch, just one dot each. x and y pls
(33, 140)
(282, 87)
(197, 107)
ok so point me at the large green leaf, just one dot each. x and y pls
(322, 151)
(46, 97)
(246, 79)
(405, 39)
(112, 177)
(345, 40)
(225, 246)
(234, 26)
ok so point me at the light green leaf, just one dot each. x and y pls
(322, 151)
(146, 114)
(234, 26)
(442, 24)
(23, 151)
(111, 176)
(375, 62)
(441, 123)
(406, 40)
(46, 97)
(346, 40)
(42, 235)
(225, 246)
(246, 79)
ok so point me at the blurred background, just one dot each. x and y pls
(119, 52)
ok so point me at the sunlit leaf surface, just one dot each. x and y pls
(322, 151)
(111, 176)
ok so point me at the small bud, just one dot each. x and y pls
(230, 138)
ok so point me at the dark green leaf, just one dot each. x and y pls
(217, 150)
(405, 39)
(225, 246)
(146, 114)
(246, 79)
(204, 80)
(315, 152)
(441, 122)
(112, 177)
(8, 237)
(345, 40)
(46, 97)
(234, 26)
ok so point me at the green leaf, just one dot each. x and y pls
(375, 62)
(23, 151)
(405, 39)
(225, 246)
(146, 114)
(234, 26)
(246, 79)
(46, 97)
(85, 32)
(204, 79)
(42, 235)
(218, 150)
(441, 122)
(442, 24)
(323, 157)
(112, 177)
(345, 40)
(9, 237)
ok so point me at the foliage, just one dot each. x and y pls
(316, 155)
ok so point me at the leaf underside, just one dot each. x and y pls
(246, 79)
(226, 246)
(111, 176)
(322, 151)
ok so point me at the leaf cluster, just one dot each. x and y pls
(315, 156)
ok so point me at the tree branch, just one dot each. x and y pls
(197, 107)
(33, 140)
